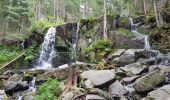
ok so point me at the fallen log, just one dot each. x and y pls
(15, 59)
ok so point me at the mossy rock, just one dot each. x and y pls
(124, 21)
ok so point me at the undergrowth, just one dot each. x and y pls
(49, 90)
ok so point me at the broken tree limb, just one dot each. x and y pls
(15, 59)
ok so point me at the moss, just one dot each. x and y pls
(124, 22)
(124, 31)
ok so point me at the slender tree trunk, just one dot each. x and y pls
(156, 14)
(105, 21)
(144, 7)
(54, 1)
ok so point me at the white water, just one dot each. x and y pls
(47, 50)
(32, 87)
(20, 98)
(139, 35)
(74, 44)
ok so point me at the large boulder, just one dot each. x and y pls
(127, 58)
(162, 93)
(117, 89)
(117, 53)
(134, 69)
(15, 83)
(149, 81)
(98, 78)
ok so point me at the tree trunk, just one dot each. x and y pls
(156, 14)
(105, 21)
(54, 1)
(144, 7)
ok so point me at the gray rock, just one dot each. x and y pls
(162, 67)
(3, 95)
(127, 58)
(117, 89)
(14, 83)
(98, 78)
(15, 78)
(117, 53)
(162, 93)
(94, 97)
(149, 81)
(134, 69)
(129, 80)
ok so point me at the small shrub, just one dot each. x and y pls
(49, 90)
(31, 53)
(100, 48)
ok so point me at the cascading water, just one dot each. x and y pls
(74, 44)
(139, 35)
(32, 87)
(47, 51)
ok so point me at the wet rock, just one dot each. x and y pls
(117, 89)
(98, 78)
(149, 81)
(3, 95)
(94, 97)
(127, 58)
(162, 93)
(134, 69)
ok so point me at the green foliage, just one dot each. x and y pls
(7, 54)
(49, 90)
(124, 21)
(31, 53)
(42, 26)
(100, 48)
(124, 31)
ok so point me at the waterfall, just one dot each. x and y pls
(32, 87)
(20, 98)
(74, 44)
(139, 35)
(47, 51)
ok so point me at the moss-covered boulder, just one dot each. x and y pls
(149, 81)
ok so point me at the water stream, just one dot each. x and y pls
(140, 35)
(47, 51)
(74, 44)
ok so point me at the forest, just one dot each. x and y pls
(84, 49)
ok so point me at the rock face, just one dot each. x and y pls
(117, 89)
(98, 78)
(149, 81)
(134, 69)
(162, 93)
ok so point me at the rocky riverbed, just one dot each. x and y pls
(135, 74)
